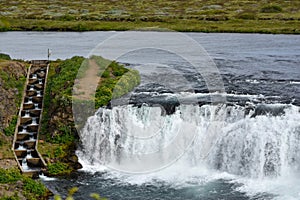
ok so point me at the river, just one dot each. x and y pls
(228, 129)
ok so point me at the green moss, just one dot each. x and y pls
(58, 152)
(9, 176)
(58, 168)
(14, 197)
(63, 137)
(10, 130)
(31, 189)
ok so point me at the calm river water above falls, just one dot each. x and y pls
(254, 150)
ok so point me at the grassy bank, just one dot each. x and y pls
(12, 79)
(206, 16)
(58, 129)
(17, 186)
(58, 137)
(229, 26)
(13, 185)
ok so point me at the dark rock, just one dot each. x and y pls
(19, 184)
(77, 166)
(73, 159)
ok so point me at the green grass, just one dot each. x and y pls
(10, 130)
(176, 15)
(4, 56)
(9, 81)
(9, 176)
(58, 168)
(116, 81)
(31, 189)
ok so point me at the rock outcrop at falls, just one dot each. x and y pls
(58, 126)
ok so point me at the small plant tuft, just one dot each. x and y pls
(271, 9)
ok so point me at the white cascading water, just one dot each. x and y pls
(219, 137)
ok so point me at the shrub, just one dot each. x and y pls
(62, 138)
(58, 152)
(4, 56)
(105, 74)
(9, 175)
(271, 9)
(35, 187)
(57, 168)
(14, 197)
(122, 82)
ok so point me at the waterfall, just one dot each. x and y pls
(24, 164)
(36, 106)
(27, 114)
(34, 76)
(28, 154)
(39, 94)
(29, 100)
(31, 88)
(227, 138)
(21, 146)
(24, 129)
(34, 121)
(31, 138)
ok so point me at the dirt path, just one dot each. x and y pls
(86, 86)
(8, 163)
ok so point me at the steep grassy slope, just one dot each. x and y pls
(13, 185)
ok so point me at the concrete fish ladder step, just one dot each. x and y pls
(27, 129)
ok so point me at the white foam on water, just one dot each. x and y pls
(46, 178)
(284, 187)
(295, 82)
